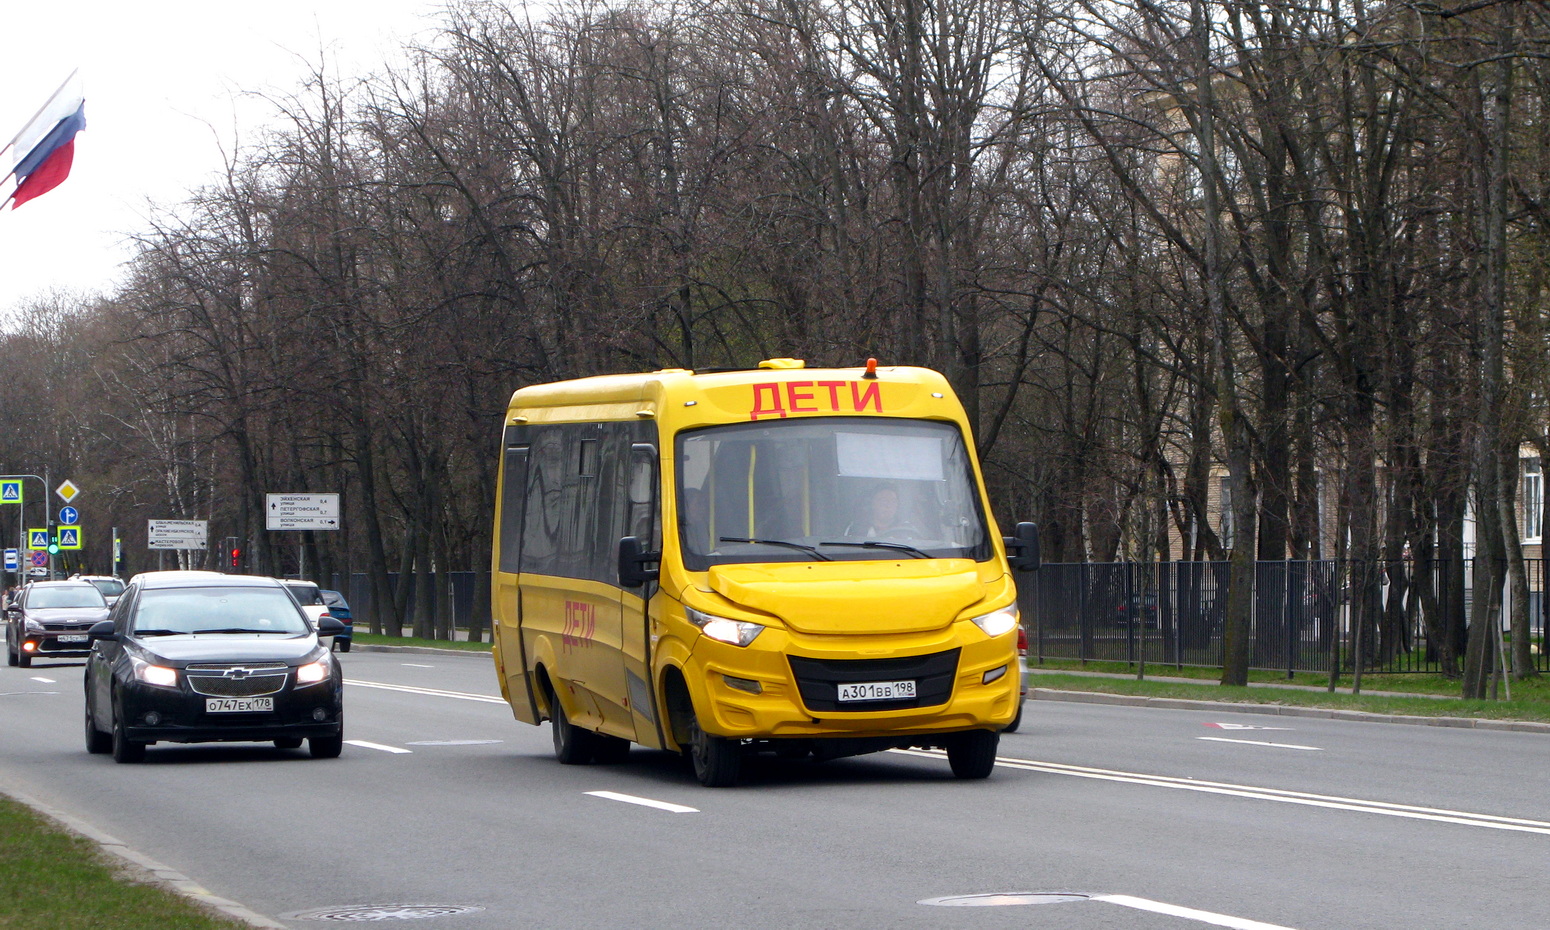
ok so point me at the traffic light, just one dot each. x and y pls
(236, 556)
(53, 545)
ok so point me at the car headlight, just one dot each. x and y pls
(736, 632)
(158, 675)
(998, 622)
(313, 672)
(32, 626)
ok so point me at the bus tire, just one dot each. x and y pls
(572, 745)
(718, 761)
(973, 754)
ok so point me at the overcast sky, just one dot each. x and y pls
(165, 82)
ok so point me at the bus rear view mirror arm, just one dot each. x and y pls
(1022, 547)
(633, 561)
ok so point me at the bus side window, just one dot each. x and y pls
(513, 501)
(641, 517)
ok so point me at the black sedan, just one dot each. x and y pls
(195, 657)
(50, 619)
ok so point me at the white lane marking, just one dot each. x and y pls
(1259, 742)
(644, 802)
(378, 746)
(1439, 815)
(1188, 913)
(432, 692)
(16, 693)
(1241, 726)
(452, 742)
(416, 665)
(46, 681)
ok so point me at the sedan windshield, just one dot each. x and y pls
(74, 596)
(218, 610)
(827, 489)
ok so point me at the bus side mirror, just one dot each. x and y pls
(1022, 547)
(633, 561)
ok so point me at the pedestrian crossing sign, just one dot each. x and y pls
(69, 537)
(10, 491)
(37, 539)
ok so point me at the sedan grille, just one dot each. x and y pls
(237, 680)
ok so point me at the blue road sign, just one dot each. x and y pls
(37, 539)
(69, 516)
(12, 560)
(11, 491)
(69, 537)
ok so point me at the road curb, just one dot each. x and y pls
(146, 869)
(416, 650)
(1283, 710)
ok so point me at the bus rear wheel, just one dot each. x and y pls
(572, 745)
(973, 754)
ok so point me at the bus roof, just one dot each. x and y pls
(778, 389)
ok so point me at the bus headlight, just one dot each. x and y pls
(736, 632)
(998, 622)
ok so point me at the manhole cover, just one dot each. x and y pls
(386, 912)
(1006, 899)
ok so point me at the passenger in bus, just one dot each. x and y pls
(882, 518)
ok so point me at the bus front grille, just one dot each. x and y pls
(818, 680)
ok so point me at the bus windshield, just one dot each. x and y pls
(827, 489)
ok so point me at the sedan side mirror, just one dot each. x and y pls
(328, 626)
(102, 629)
(1022, 547)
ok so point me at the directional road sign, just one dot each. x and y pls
(11, 560)
(69, 537)
(37, 539)
(67, 491)
(178, 534)
(11, 491)
(69, 515)
(301, 511)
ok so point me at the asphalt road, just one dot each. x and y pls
(1167, 819)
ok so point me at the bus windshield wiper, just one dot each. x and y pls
(874, 544)
(810, 550)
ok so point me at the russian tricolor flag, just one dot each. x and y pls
(44, 150)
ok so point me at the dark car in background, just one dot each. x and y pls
(339, 609)
(111, 586)
(191, 657)
(50, 619)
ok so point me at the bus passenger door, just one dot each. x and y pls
(506, 606)
(642, 519)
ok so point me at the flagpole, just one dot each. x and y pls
(42, 108)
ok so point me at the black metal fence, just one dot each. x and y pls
(1305, 617)
(457, 611)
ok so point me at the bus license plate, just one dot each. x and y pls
(238, 705)
(877, 691)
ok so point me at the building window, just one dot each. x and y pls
(1533, 501)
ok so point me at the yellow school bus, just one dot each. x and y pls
(782, 559)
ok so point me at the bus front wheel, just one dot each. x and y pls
(973, 754)
(718, 761)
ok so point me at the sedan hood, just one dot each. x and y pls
(68, 614)
(227, 647)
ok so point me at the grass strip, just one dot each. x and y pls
(1524, 708)
(51, 879)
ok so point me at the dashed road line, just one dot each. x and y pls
(1259, 742)
(644, 802)
(379, 747)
